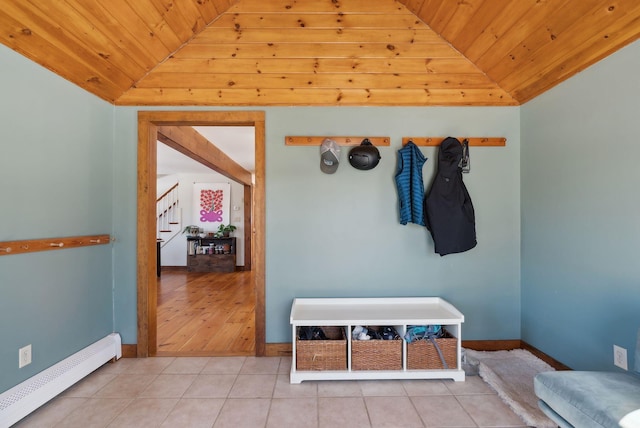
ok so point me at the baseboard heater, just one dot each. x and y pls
(24, 398)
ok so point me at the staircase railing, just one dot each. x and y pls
(167, 210)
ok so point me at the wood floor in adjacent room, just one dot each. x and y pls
(206, 314)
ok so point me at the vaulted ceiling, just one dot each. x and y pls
(317, 52)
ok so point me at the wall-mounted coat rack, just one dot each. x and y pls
(47, 244)
(473, 141)
(341, 141)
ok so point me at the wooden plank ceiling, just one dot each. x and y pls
(318, 52)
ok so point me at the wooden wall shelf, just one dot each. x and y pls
(32, 245)
(386, 141)
(341, 141)
(473, 141)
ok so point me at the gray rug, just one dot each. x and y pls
(511, 374)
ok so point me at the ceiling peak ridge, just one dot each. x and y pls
(171, 54)
(484, 73)
(462, 55)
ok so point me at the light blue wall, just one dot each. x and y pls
(339, 235)
(55, 181)
(124, 224)
(581, 212)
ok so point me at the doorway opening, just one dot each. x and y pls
(149, 125)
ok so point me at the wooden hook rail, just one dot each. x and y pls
(46, 244)
(473, 141)
(341, 141)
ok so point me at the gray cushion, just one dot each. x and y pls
(553, 415)
(589, 399)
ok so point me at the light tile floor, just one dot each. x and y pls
(254, 392)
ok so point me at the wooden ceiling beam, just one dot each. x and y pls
(191, 143)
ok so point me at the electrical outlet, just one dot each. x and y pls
(620, 357)
(24, 356)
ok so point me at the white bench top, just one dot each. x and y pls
(363, 311)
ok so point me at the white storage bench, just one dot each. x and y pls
(342, 314)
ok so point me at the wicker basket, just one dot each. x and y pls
(376, 354)
(330, 354)
(421, 354)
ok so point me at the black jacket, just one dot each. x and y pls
(448, 210)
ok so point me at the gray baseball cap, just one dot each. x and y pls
(329, 156)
